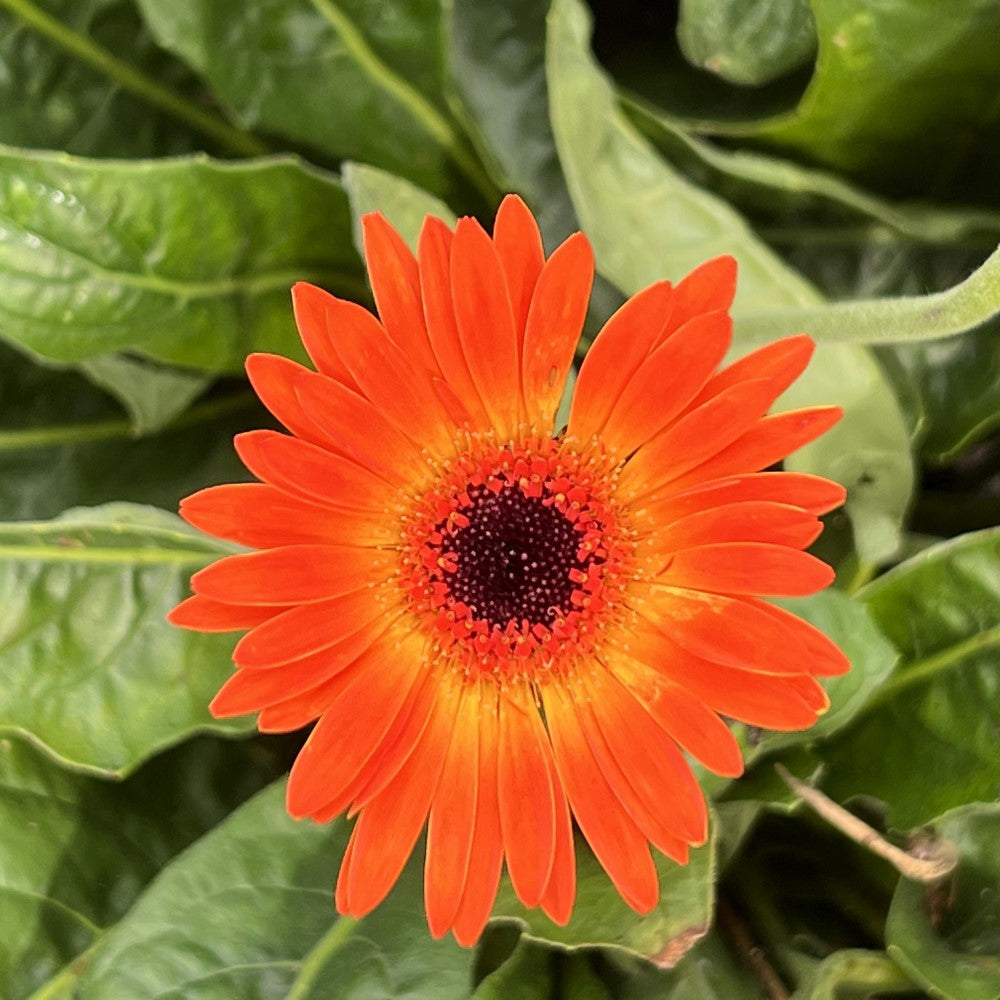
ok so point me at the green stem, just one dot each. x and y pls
(397, 87)
(315, 961)
(131, 79)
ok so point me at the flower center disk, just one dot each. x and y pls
(515, 558)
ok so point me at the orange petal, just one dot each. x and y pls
(519, 247)
(310, 305)
(262, 516)
(742, 632)
(770, 440)
(434, 252)
(389, 825)
(558, 309)
(272, 378)
(339, 413)
(453, 818)
(784, 702)
(403, 393)
(648, 756)
(395, 281)
(696, 436)
(486, 852)
(780, 363)
(294, 574)
(747, 568)
(251, 690)
(310, 473)
(667, 381)
(204, 615)
(560, 893)
(617, 842)
(486, 325)
(527, 802)
(355, 721)
(799, 489)
(710, 287)
(614, 358)
(749, 521)
(309, 628)
(684, 716)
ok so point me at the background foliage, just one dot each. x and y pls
(167, 170)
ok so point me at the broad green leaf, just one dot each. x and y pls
(902, 95)
(75, 851)
(947, 937)
(185, 261)
(747, 42)
(61, 85)
(602, 917)
(153, 395)
(92, 671)
(64, 444)
(402, 203)
(854, 974)
(537, 972)
(248, 912)
(926, 740)
(351, 79)
(648, 222)
(496, 58)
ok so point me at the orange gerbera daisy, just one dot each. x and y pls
(498, 625)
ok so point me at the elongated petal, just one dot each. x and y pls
(710, 287)
(614, 357)
(560, 893)
(395, 281)
(309, 473)
(612, 834)
(439, 312)
(695, 437)
(744, 633)
(273, 379)
(452, 819)
(309, 628)
(486, 851)
(799, 489)
(486, 325)
(205, 615)
(554, 322)
(262, 516)
(527, 802)
(338, 413)
(519, 247)
(667, 381)
(747, 568)
(749, 521)
(294, 574)
(311, 305)
(389, 825)
(353, 725)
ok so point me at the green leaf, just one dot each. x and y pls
(69, 82)
(92, 671)
(99, 257)
(348, 78)
(402, 203)
(901, 95)
(948, 937)
(747, 41)
(64, 444)
(496, 58)
(602, 917)
(648, 222)
(537, 972)
(153, 395)
(77, 851)
(248, 912)
(854, 974)
(926, 740)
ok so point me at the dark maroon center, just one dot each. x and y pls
(513, 558)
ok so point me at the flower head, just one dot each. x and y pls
(500, 625)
